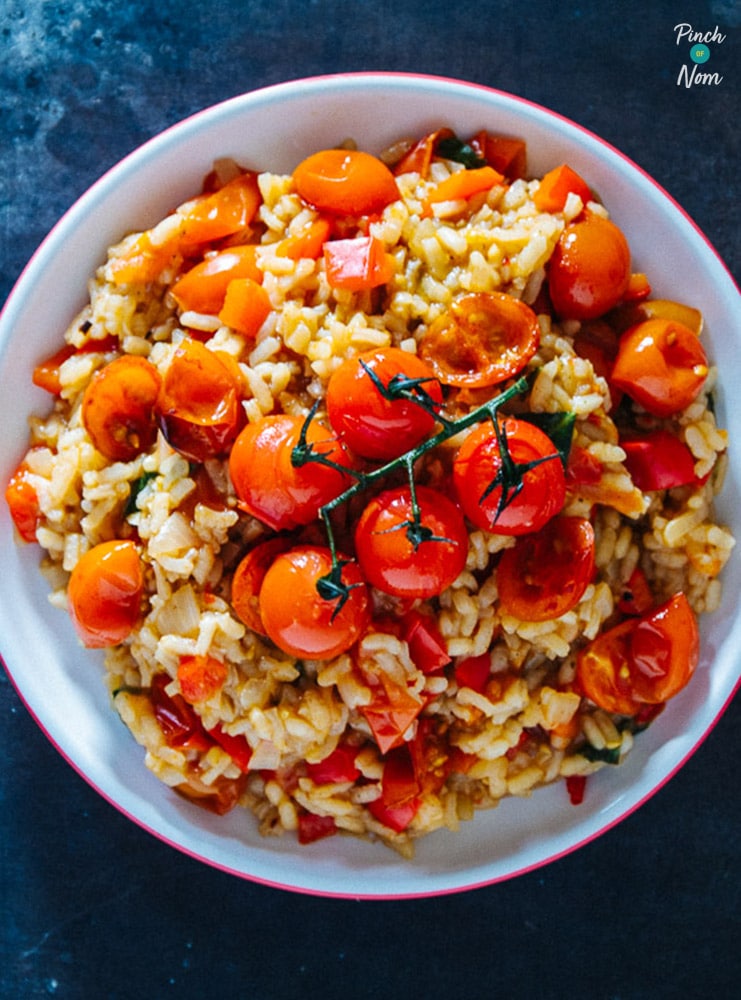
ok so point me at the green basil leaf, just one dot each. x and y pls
(559, 427)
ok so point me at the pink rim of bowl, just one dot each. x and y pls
(61, 684)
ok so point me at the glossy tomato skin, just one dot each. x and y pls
(482, 340)
(665, 649)
(589, 269)
(298, 619)
(248, 577)
(270, 487)
(388, 557)
(118, 407)
(545, 574)
(662, 365)
(345, 182)
(368, 422)
(603, 670)
(479, 461)
(104, 593)
(199, 403)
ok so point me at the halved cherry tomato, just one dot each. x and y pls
(345, 182)
(274, 490)
(23, 503)
(118, 407)
(383, 422)
(104, 593)
(629, 314)
(202, 289)
(357, 264)
(532, 495)
(338, 767)
(483, 339)
(46, 373)
(641, 661)
(589, 269)
(665, 649)
(223, 213)
(220, 796)
(505, 153)
(200, 677)
(556, 186)
(545, 574)
(603, 670)
(408, 556)
(661, 365)
(658, 460)
(199, 404)
(298, 619)
(247, 580)
(246, 306)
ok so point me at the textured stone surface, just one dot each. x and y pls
(95, 908)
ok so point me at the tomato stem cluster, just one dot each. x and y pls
(509, 476)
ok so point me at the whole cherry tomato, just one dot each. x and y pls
(483, 339)
(118, 407)
(268, 484)
(514, 493)
(408, 556)
(296, 616)
(589, 269)
(104, 593)
(665, 649)
(661, 364)
(374, 402)
(545, 574)
(199, 404)
(248, 577)
(345, 182)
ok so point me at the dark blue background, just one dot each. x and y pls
(92, 907)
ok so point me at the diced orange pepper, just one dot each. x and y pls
(223, 213)
(419, 157)
(638, 288)
(556, 186)
(308, 243)
(464, 184)
(200, 677)
(246, 306)
(505, 154)
(203, 288)
(23, 503)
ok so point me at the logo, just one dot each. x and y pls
(699, 48)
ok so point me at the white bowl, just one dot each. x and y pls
(61, 684)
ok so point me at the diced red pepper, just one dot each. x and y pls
(636, 598)
(180, 725)
(399, 801)
(658, 461)
(339, 766)
(312, 827)
(575, 786)
(236, 746)
(473, 672)
(357, 264)
(427, 647)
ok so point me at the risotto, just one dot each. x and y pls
(386, 486)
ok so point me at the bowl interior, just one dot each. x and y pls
(62, 684)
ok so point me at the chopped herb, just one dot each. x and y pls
(136, 487)
(609, 755)
(453, 148)
(559, 427)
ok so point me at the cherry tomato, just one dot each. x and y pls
(484, 338)
(603, 670)
(661, 365)
(479, 463)
(104, 593)
(658, 460)
(298, 619)
(381, 423)
(180, 724)
(199, 403)
(23, 503)
(545, 574)
(224, 212)
(270, 487)
(118, 407)
(203, 287)
(589, 269)
(407, 557)
(345, 182)
(200, 677)
(391, 712)
(665, 649)
(248, 578)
